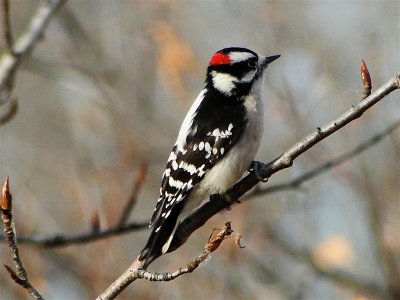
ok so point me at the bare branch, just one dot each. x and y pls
(8, 38)
(296, 182)
(135, 271)
(209, 209)
(20, 276)
(139, 180)
(95, 232)
(10, 62)
(60, 240)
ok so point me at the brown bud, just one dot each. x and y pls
(366, 79)
(6, 197)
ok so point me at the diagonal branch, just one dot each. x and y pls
(60, 240)
(130, 204)
(20, 276)
(136, 271)
(8, 38)
(23, 46)
(209, 209)
(296, 182)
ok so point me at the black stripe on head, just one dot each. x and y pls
(241, 63)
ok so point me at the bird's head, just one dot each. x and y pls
(233, 70)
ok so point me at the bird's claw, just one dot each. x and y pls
(256, 167)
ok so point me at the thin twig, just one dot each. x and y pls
(7, 32)
(9, 63)
(135, 271)
(130, 204)
(10, 103)
(212, 245)
(20, 276)
(60, 240)
(298, 181)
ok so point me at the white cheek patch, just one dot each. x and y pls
(223, 82)
(240, 56)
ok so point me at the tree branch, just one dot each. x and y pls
(11, 60)
(60, 240)
(209, 209)
(296, 182)
(130, 204)
(95, 233)
(8, 38)
(135, 271)
(20, 276)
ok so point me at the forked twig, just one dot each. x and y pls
(20, 49)
(135, 271)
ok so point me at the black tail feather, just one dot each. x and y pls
(156, 240)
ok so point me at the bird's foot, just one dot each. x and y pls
(256, 167)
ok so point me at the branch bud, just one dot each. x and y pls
(366, 79)
(6, 197)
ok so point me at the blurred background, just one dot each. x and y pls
(106, 90)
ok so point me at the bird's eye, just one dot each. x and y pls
(252, 64)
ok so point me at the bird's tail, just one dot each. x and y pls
(160, 237)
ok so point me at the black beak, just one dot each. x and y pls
(270, 59)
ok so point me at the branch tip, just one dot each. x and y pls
(6, 197)
(397, 81)
(366, 79)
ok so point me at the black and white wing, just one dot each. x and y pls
(207, 134)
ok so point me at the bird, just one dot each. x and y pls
(217, 142)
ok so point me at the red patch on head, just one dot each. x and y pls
(219, 59)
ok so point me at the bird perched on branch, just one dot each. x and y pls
(216, 144)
